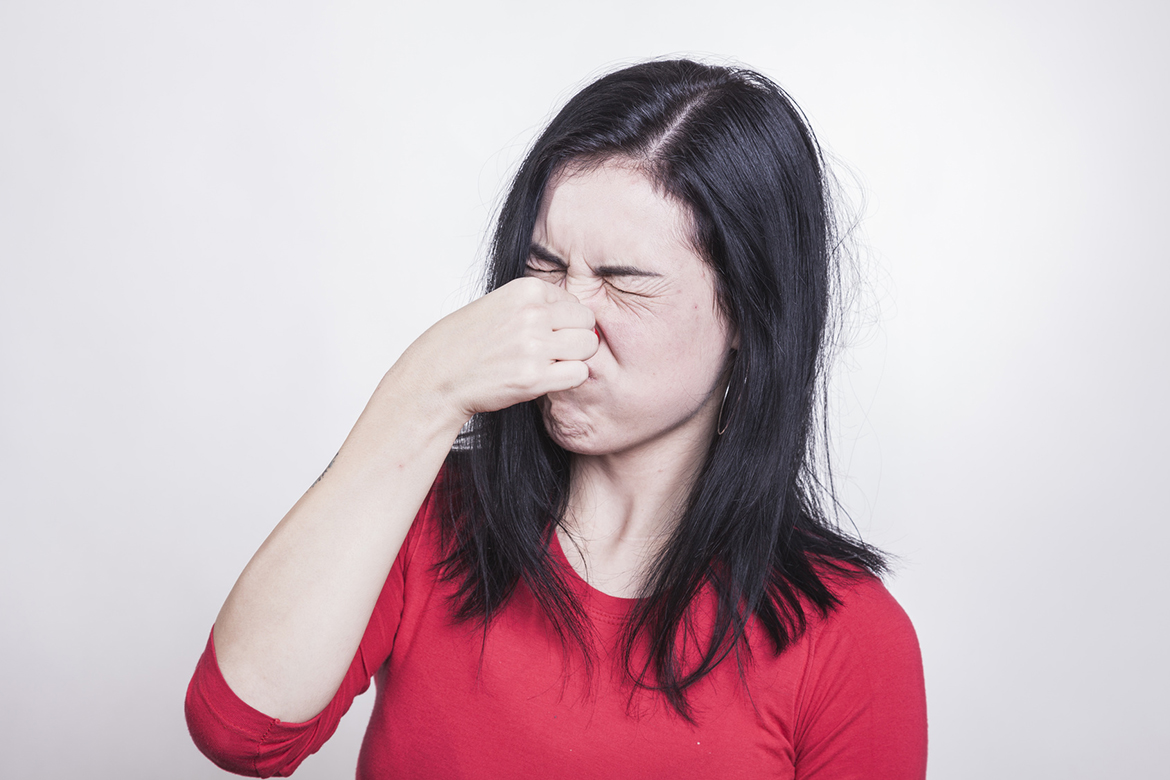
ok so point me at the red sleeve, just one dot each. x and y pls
(862, 704)
(241, 739)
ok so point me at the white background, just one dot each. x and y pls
(220, 222)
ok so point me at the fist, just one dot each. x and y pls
(517, 343)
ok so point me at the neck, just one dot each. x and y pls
(623, 507)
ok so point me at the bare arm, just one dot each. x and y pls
(291, 625)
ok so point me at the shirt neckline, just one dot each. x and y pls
(592, 599)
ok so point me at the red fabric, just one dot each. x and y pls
(846, 701)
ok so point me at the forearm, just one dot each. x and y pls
(290, 627)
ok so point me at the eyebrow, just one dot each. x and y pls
(542, 253)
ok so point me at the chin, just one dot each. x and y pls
(570, 427)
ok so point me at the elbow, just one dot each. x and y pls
(233, 735)
(226, 747)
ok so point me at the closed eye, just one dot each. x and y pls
(624, 286)
(541, 260)
(624, 279)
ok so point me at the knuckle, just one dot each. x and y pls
(522, 289)
(531, 317)
(528, 376)
(533, 287)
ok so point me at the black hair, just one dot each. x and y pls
(756, 530)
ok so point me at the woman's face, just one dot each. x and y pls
(609, 237)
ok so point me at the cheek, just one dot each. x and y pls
(690, 347)
(704, 334)
(638, 344)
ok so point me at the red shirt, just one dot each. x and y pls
(845, 701)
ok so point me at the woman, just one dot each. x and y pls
(577, 530)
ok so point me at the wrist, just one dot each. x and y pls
(416, 395)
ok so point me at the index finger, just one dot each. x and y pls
(554, 293)
(570, 314)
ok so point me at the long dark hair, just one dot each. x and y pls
(732, 146)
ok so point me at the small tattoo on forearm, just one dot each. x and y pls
(326, 469)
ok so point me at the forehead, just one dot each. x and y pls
(614, 211)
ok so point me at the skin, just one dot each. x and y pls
(642, 422)
(635, 401)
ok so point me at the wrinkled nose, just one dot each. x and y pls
(579, 287)
(589, 292)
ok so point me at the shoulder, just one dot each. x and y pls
(862, 691)
(866, 613)
(867, 633)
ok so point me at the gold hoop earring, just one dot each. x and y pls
(721, 425)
